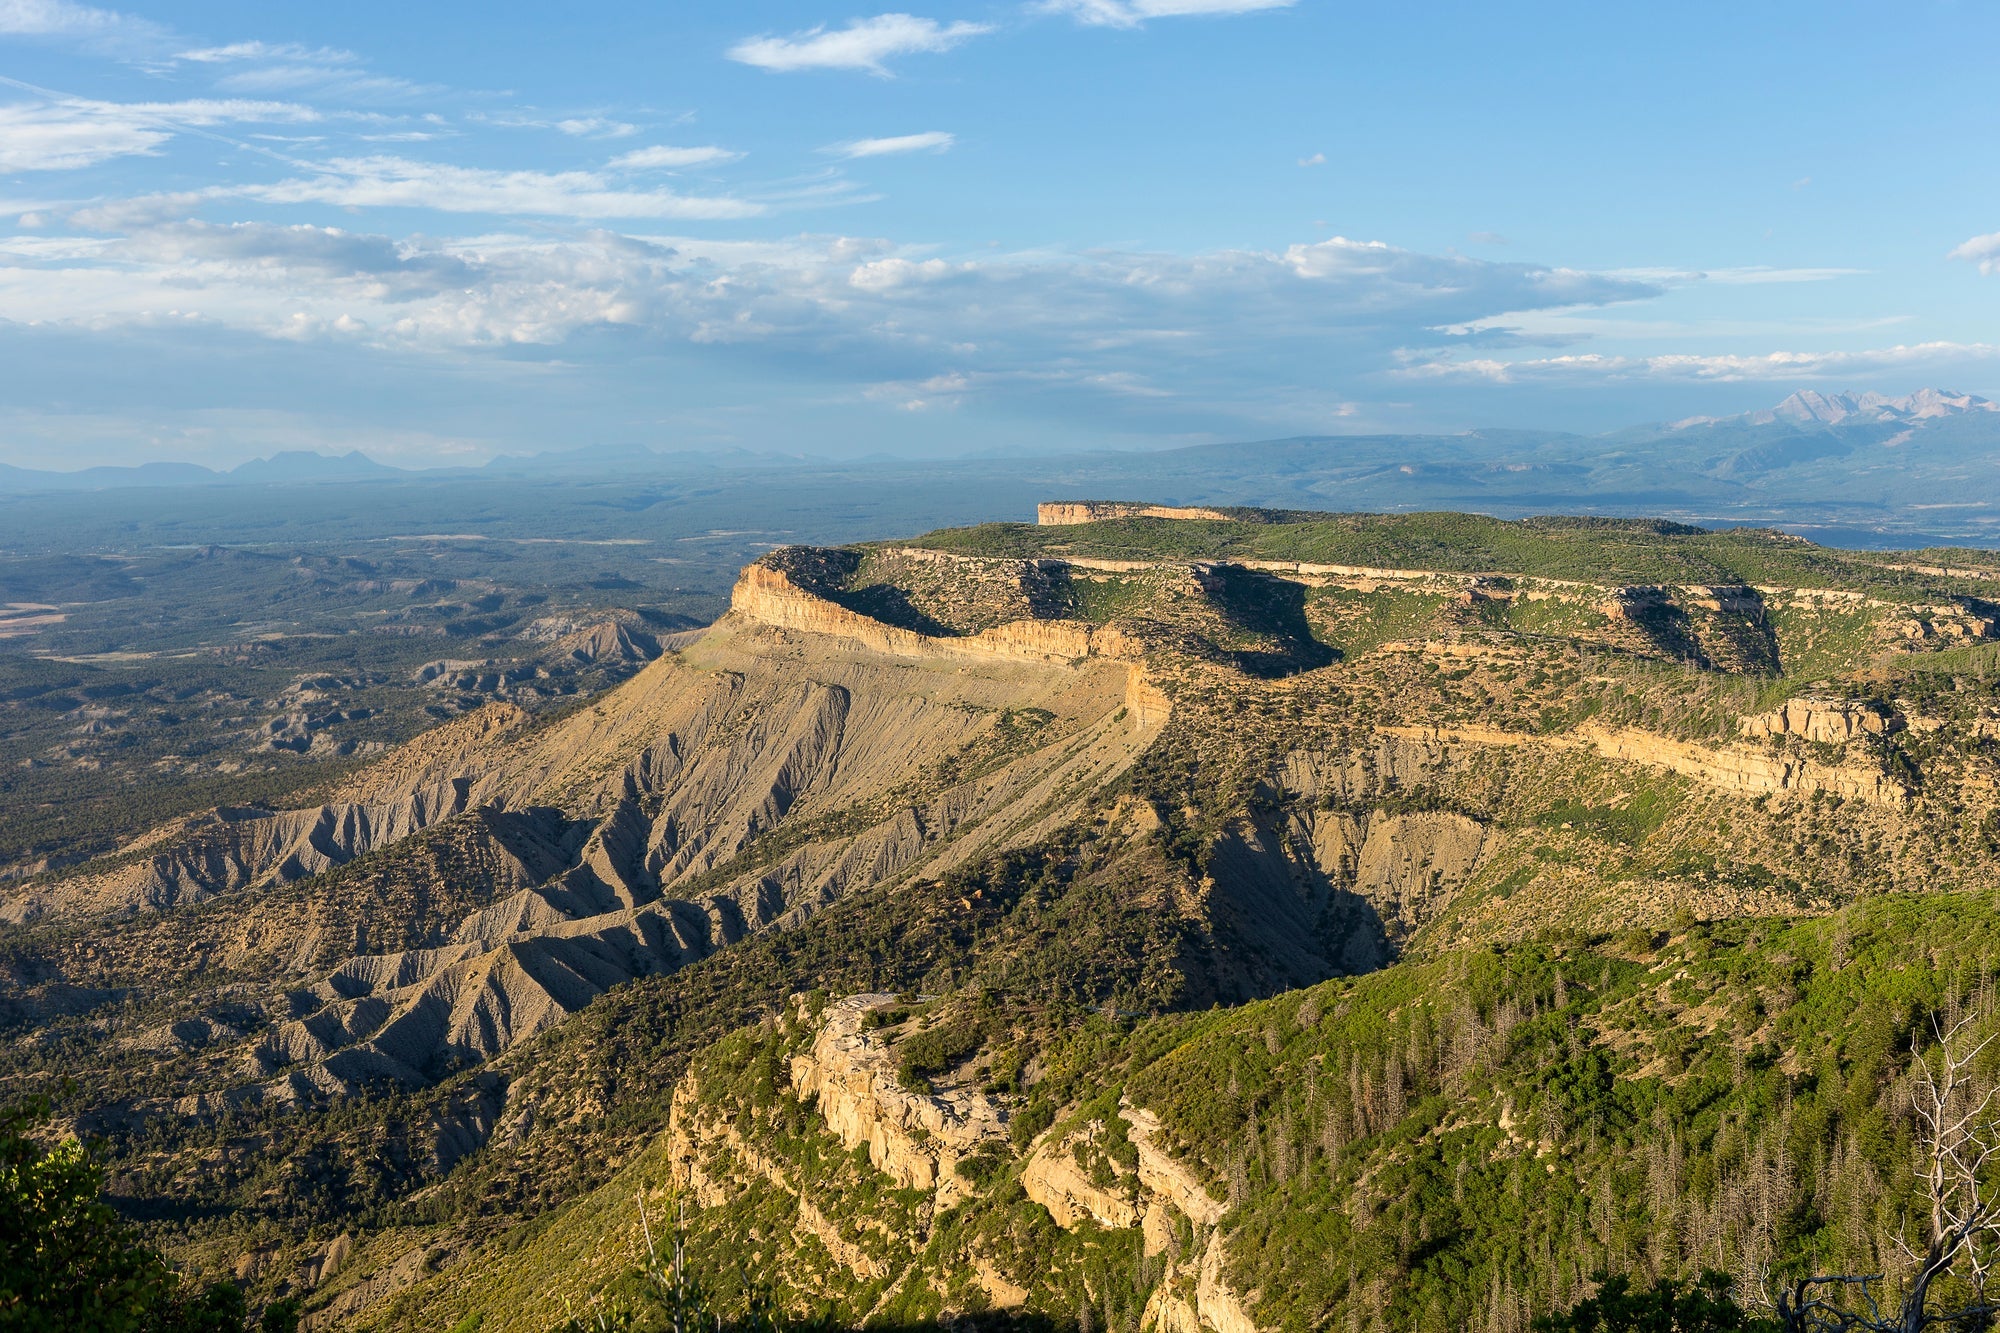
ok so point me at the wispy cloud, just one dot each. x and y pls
(934, 141)
(284, 51)
(1983, 251)
(78, 132)
(293, 68)
(1751, 275)
(1316, 160)
(1723, 369)
(102, 30)
(596, 127)
(399, 182)
(864, 44)
(1133, 13)
(577, 127)
(663, 157)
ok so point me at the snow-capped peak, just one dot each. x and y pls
(1810, 405)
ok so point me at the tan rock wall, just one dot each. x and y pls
(1160, 1174)
(1215, 1300)
(916, 1138)
(1167, 1312)
(691, 1141)
(1730, 768)
(767, 595)
(1834, 722)
(1063, 513)
(1054, 1180)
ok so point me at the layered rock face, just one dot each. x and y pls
(1056, 1178)
(1159, 1195)
(1828, 721)
(917, 1138)
(769, 595)
(1067, 512)
(708, 753)
(1737, 769)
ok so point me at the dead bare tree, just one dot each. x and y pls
(1958, 1135)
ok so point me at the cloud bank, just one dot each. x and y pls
(1158, 333)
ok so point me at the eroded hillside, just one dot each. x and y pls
(1145, 763)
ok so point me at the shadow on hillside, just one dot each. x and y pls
(892, 606)
(1274, 610)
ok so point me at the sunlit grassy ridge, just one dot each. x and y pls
(1453, 1144)
(1604, 550)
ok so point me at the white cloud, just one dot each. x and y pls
(880, 275)
(863, 44)
(399, 182)
(1316, 160)
(1983, 251)
(285, 51)
(663, 157)
(1372, 265)
(577, 127)
(97, 29)
(1723, 369)
(75, 132)
(930, 141)
(1133, 13)
(1261, 331)
(341, 81)
(289, 67)
(596, 127)
(944, 391)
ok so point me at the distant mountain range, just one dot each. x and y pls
(297, 466)
(1811, 407)
(1847, 467)
(294, 465)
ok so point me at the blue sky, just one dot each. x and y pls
(442, 231)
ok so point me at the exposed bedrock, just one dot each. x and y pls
(1063, 512)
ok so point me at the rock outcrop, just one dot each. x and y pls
(1163, 1178)
(1066, 512)
(1829, 721)
(1056, 1178)
(1194, 1294)
(1727, 768)
(769, 595)
(916, 1138)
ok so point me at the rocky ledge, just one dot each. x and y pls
(914, 1137)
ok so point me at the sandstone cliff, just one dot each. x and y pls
(769, 595)
(917, 1139)
(1063, 512)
